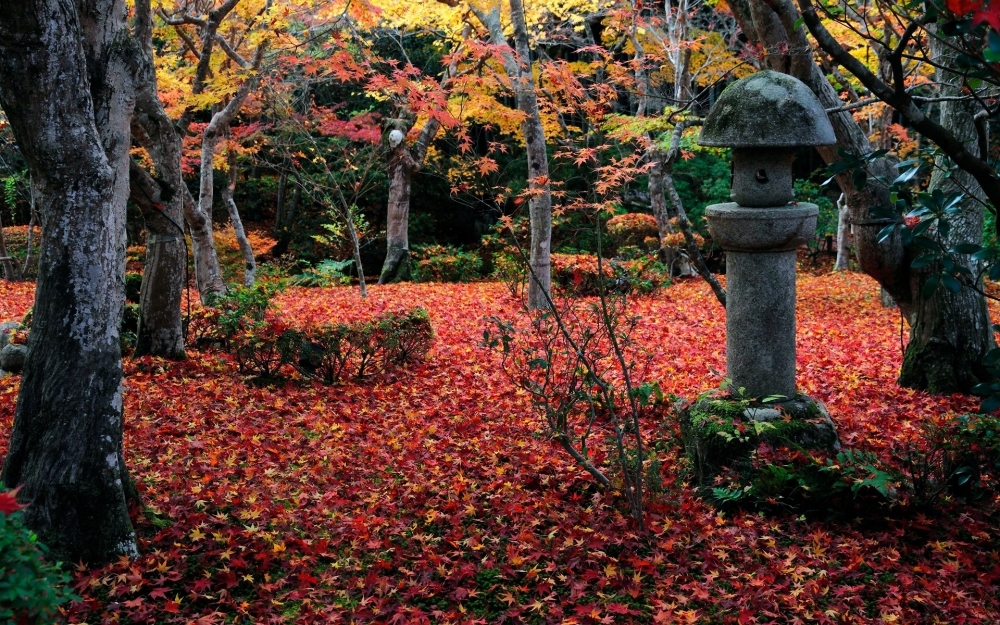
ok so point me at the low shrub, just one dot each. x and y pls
(31, 588)
(580, 274)
(361, 349)
(262, 347)
(632, 229)
(954, 457)
(445, 263)
(325, 273)
(957, 456)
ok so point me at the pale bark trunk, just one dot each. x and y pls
(843, 235)
(950, 332)
(160, 331)
(207, 272)
(693, 252)
(250, 264)
(658, 203)
(206, 261)
(540, 202)
(73, 129)
(518, 69)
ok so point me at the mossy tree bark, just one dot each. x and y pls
(67, 86)
(950, 332)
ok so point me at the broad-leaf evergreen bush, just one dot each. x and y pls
(31, 587)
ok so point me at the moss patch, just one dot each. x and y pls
(721, 432)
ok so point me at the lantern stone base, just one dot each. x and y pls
(721, 432)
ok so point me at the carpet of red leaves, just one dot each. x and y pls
(429, 496)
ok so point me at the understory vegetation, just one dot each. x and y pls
(435, 494)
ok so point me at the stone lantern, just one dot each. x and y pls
(763, 117)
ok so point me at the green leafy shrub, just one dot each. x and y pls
(133, 286)
(805, 481)
(445, 263)
(361, 349)
(325, 273)
(956, 456)
(31, 588)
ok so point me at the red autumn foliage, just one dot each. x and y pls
(427, 498)
(8, 502)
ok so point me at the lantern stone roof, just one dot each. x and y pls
(767, 109)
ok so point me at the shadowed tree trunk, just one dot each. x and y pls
(160, 331)
(403, 164)
(950, 332)
(67, 87)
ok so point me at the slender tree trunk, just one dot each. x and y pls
(73, 129)
(950, 332)
(693, 252)
(843, 235)
(518, 70)
(160, 331)
(397, 258)
(207, 271)
(10, 269)
(250, 268)
(540, 202)
(279, 207)
(288, 218)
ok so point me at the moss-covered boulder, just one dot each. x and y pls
(720, 431)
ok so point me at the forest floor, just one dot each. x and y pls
(429, 495)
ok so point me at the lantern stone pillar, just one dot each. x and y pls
(763, 117)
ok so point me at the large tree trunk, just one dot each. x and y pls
(950, 332)
(73, 129)
(397, 258)
(160, 331)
